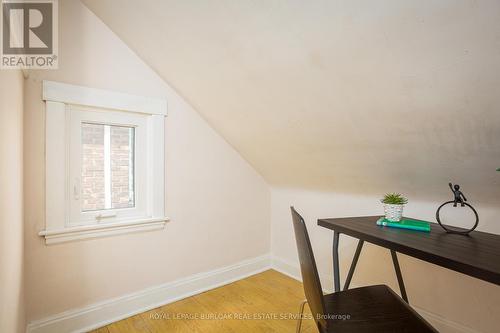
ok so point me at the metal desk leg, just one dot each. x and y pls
(399, 276)
(353, 264)
(301, 314)
(336, 269)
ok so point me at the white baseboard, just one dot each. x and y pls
(292, 270)
(106, 312)
(103, 313)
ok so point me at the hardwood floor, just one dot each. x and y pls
(266, 302)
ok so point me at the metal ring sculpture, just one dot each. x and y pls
(464, 232)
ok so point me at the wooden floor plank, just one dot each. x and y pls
(100, 330)
(265, 302)
(131, 324)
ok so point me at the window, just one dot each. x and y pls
(107, 165)
(104, 163)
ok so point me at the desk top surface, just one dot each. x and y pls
(476, 255)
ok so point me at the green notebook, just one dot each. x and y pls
(406, 224)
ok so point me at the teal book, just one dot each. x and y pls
(406, 224)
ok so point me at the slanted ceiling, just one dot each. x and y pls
(349, 96)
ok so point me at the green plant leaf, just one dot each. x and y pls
(394, 199)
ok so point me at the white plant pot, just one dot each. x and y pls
(393, 213)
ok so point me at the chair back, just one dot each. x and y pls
(310, 277)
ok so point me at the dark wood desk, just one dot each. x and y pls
(476, 255)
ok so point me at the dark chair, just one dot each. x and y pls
(367, 309)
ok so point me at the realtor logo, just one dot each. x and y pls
(29, 34)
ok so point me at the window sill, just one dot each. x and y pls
(101, 230)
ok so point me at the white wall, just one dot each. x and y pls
(218, 205)
(322, 94)
(11, 202)
(352, 96)
(453, 302)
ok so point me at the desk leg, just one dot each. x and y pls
(336, 269)
(353, 264)
(401, 283)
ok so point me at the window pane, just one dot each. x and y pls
(122, 167)
(107, 167)
(92, 183)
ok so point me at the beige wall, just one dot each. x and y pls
(11, 202)
(454, 302)
(218, 205)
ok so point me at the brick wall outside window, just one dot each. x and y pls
(92, 182)
(120, 167)
(93, 168)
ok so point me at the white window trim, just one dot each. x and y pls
(78, 95)
(57, 96)
(101, 230)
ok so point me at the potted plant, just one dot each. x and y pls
(393, 206)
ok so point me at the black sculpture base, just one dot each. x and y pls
(461, 232)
